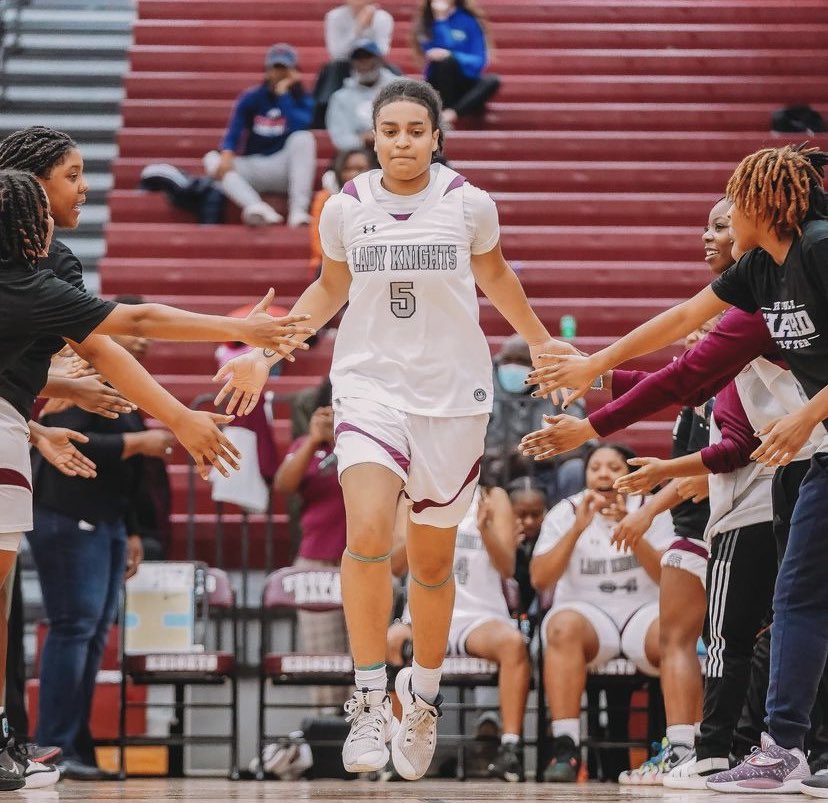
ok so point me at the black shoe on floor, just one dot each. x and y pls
(41, 754)
(12, 774)
(565, 763)
(508, 766)
(77, 771)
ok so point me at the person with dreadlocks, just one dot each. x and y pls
(37, 305)
(779, 222)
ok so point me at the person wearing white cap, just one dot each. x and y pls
(267, 146)
(349, 116)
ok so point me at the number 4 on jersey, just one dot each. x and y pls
(403, 302)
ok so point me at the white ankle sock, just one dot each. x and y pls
(697, 729)
(426, 682)
(681, 735)
(510, 738)
(567, 727)
(371, 679)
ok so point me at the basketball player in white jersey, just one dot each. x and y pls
(404, 246)
(606, 600)
(481, 625)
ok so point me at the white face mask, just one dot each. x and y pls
(368, 78)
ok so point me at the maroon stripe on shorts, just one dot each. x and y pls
(419, 507)
(399, 458)
(686, 545)
(8, 476)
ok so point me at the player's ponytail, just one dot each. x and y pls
(24, 217)
(414, 92)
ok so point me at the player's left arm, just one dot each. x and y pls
(502, 287)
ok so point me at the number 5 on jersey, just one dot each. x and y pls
(403, 302)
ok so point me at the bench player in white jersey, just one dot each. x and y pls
(404, 246)
(481, 625)
(605, 602)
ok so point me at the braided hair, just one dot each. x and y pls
(781, 185)
(37, 150)
(24, 217)
(418, 92)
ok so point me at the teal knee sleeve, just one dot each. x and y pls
(436, 585)
(365, 559)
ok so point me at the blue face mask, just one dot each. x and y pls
(276, 370)
(512, 377)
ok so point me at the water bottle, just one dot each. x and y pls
(568, 327)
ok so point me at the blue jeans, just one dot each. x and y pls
(799, 634)
(81, 571)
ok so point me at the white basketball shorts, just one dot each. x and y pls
(612, 640)
(689, 556)
(438, 459)
(15, 477)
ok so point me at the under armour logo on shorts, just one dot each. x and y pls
(369, 229)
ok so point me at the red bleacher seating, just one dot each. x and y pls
(616, 127)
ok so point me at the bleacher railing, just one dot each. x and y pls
(10, 11)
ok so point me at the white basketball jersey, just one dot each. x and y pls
(597, 572)
(477, 584)
(410, 337)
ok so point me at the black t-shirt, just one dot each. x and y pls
(793, 298)
(691, 434)
(37, 309)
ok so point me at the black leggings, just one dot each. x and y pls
(464, 95)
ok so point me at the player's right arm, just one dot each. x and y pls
(245, 376)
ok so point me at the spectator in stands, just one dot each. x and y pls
(86, 534)
(349, 118)
(481, 625)
(514, 413)
(346, 25)
(347, 164)
(309, 469)
(529, 504)
(605, 603)
(452, 36)
(269, 125)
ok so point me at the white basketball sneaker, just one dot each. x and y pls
(372, 727)
(413, 746)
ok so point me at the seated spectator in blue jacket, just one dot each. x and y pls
(267, 146)
(452, 36)
(349, 119)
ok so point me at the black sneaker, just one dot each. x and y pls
(11, 773)
(508, 766)
(565, 763)
(36, 775)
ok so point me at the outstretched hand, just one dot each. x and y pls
(542, 354)
(562, 434)
(564, 371)
(280, 336)
(57, 447)
(245, 376)
(198, 432)
(653, 472)
(785, 437)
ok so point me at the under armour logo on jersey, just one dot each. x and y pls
(369, 229)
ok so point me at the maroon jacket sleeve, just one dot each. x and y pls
(695, 376)
(738, 441)
(624, 381)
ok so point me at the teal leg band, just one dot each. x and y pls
(436, 585)
(380, 665)
(364, 559)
